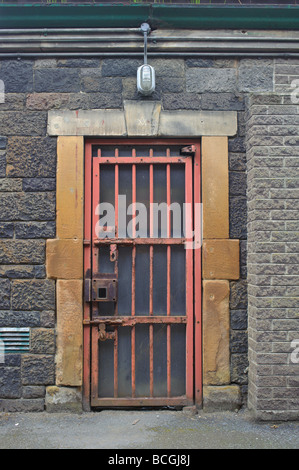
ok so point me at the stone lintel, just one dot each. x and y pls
(141, 119)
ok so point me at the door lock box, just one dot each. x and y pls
(104, 290)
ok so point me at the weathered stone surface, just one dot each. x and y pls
(79, 62)
(22, 405)
(45, 101)
(220, 259)
(100, 122)
(181, 101)
(63, 399)
(215, 191)
(27, 206)
(6, 230)
(10, 382)
(197, 123)
(38, 369)
(216, 357)
(254, 77)
(33, 294)
(56, 80)
(17, 75)
(2, 164)
(69, 333)
(238, 217)
(22, 252)
(39, 184)
(70, 171)
(3, 142)
(31, 157)
(10, 184)
(94, 101)
(4, 293)
(238, 294)
(238, 319)
(142, 118)
(22, 123)
(239, 368)
(120, 67)
(19, 319)
(64, 259)
(42, 341)
(34, 391)
(47, 319)
(29, 230)
(237, 183)
(201, 80)
(93, 82)
(225, 398)
(222, 102)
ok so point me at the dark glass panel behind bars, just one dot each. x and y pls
(160, 360)
(124, 362)
(106, 372)
(178, 360)
(124, 280)
(124, 189)
(160, 280)
(142, 271)
(177, 195)
(178, 280)
(142, 376)
(143, 196)
(160, 196)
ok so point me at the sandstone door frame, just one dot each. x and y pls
(64, 254)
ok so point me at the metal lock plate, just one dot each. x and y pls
(104, 290)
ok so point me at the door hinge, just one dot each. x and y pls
(189, 150)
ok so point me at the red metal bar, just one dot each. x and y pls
(115, 359)
(197, 283)
(87, 274)
(168, 278)
(189, 286)
(133, 332)
(141, 160)
(135, 320)
(94, 362)
(140, 241)
(116, 195)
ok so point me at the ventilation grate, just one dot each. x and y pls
(14, 340)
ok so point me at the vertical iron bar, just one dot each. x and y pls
(168, 277)
(151, 327)
(133, 332)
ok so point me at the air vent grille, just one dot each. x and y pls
(14, 340)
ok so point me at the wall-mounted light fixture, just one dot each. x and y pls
(145, 73)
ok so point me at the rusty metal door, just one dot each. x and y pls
(140, 317)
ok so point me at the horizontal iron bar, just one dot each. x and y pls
(144, 401)
(131, 321)
(140, 241)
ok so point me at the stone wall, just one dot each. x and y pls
(273, 261)
(27, 186)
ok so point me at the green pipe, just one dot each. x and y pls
(186, 16)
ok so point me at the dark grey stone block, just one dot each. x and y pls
(27, 206)
(17, 75)
(27, 230)
(59, 80)
(36, 294)
(10, 382)
(39, 184)
(4, 293)
(38, 369)
(19, 319)
(6, 230)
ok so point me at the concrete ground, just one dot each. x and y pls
(155, 429)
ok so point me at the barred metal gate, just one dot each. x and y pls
(140, 315)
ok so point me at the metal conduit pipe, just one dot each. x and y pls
(44, 55)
